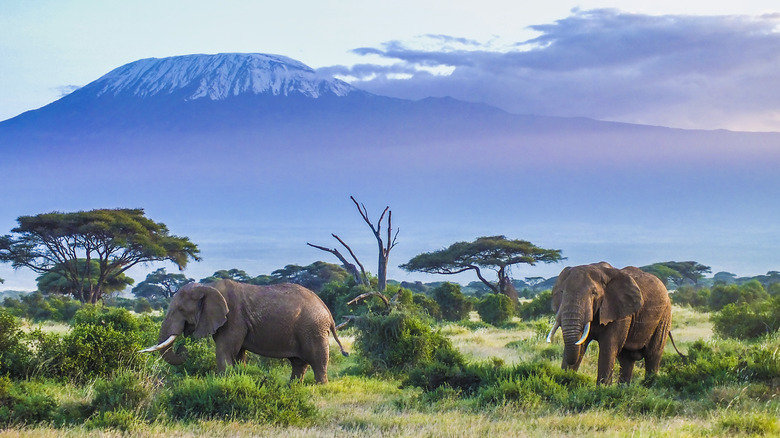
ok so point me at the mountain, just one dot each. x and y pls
(254, 155)
(216, 77)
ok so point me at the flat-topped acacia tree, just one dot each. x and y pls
(117, 239)
(492, 252)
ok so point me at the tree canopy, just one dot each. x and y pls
(493, 252)
(117, 239)
(160, 284)
(678, 272)
(56, 280)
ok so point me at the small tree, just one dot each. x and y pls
(453, 304)
(495, 252)
(160, 285)
(117, 239)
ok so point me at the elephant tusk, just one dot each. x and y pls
(552, 331)
(585, 333)
(159, 346)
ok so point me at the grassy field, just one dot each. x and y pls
(354, 405)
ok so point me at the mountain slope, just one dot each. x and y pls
(254, 155)
(216, 77)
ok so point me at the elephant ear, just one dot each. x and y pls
(557, 292)
(622, 297)
(213, 312)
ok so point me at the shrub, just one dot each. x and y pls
(124, 390)
(14, 355)
(25, 403)
(142, 305)
(747, 321)
(102, 340)
(496, 309)
(453, 304)
(428, 305)
(698, 298)
(397, 341)
(539, 306)
(240, 395)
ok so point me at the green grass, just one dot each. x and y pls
(528, 396)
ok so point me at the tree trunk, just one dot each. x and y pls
(505, 285)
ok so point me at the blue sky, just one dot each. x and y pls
(692, 64)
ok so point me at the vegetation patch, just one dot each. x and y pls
(240, 394)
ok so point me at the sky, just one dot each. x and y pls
(692, 64)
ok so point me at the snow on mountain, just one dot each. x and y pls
(217, 77)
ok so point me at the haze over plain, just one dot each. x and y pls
(679, 69)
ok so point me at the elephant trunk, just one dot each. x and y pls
(574, 327)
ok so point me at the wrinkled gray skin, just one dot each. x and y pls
(281, 321)
(629, 311)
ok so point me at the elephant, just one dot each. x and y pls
(627, 311)
(280, 321)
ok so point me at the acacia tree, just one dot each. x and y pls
(678, 272)
(117, 239)
(160, 284)
(56, 280)
(493, 252)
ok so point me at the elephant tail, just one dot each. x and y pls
(333, 330)
(684, 357)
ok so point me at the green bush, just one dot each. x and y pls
(241, 394)
(14, 355)
(101, 341)
(496, 309)
(398, 341)
(39, 307)
(428, 305)
(201, 358)
(541, 305)
(747, 321)
(25, 403)
(698, 298)
(453, 304)
(124, 390)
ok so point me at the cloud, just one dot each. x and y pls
(674, 70)
(64, 90)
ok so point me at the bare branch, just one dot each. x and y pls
(369, 294)
(354, 257)
(349, 266)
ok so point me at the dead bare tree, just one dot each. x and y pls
(384, 247)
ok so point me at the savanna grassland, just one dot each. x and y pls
(496, 381)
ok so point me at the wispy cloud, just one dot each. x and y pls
(674, 70)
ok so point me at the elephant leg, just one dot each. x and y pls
(241, 356)
(607, 356)
(318, 357)
(627, 361)
(299, 368)
(227, 354)
(655, 348)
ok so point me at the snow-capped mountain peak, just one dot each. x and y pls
(217, 77)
